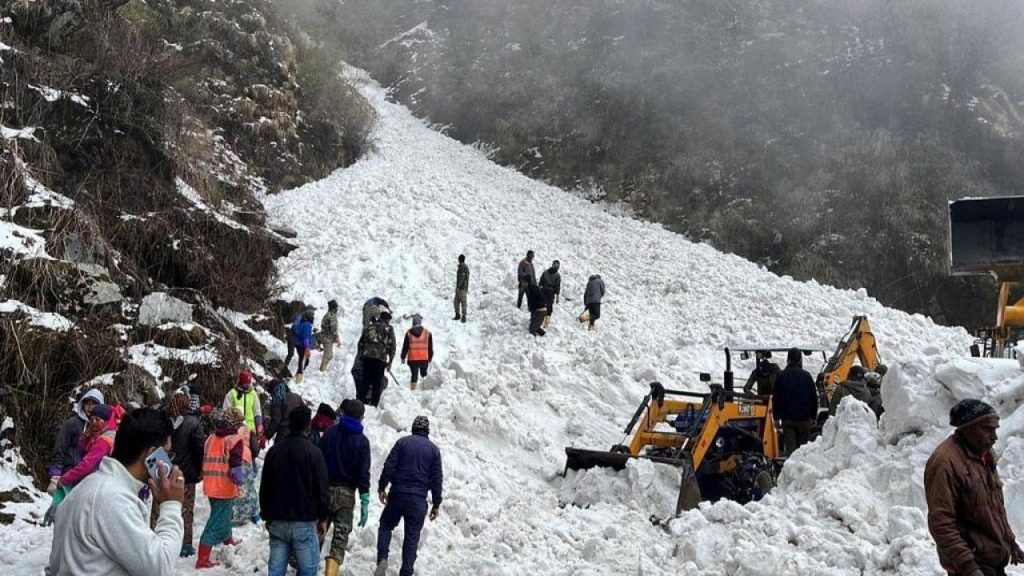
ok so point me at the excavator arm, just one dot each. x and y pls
(857, 344)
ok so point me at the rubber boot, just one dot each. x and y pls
(298, 378)
(332, 567)
(547, 320)
(382, 568)
(412, 385)
(203, 561)
(232, 542)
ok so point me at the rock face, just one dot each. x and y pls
(158, 308)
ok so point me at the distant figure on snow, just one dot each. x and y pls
(592, 297)
(377, 350)
(300, 340)
(795, 400)
(461, 288)
(526, 277)
(413, 468)
(418, 347)
(329, 334)
(537, 304)
(966, 512)
(551, 286)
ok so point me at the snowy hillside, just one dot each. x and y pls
(503, 404)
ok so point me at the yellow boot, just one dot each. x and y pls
(412, 385)
(323, 365)
(298, 378)
(547, 320)
(332, 566)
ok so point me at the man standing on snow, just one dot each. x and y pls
(347, 451)
(966, 512)
(244, 397)
(66, 454)
(418, 347)
(102, 528)
(537, 304)
(294, 500)
(592, 297)
(526, 277)
(376, 348)
(329, 334)
(795, 401)
(412, 469)
(551, 286)
(461, 288)
(188, 442)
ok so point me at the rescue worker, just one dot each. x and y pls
(418, 347)
(461, 289)
(551, 286)
(526, 276)
(854, 385)
(329, 334)
(763, 377)
(222, 475)
(966, 513)
(413, 468)
(244, 397)
(537, 304)
(592, 297)
(795, 401)
(376, 348)
(347, 451)
(294, 498)
(65, 446)
(874, 382)
(282, 402)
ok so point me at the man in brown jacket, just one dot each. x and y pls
(966, 513)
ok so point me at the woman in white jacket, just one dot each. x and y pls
(102, 527)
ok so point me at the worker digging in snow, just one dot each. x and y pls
(795, 400)
(418, 349)
(461, 288)
(347, 452)
(376, 348)
(551, 286)
(329, 334)
(855, 385)
(412, 469)
(525, 276)
(966, 512)
(763, 377)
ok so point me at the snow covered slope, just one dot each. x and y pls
(503, 404)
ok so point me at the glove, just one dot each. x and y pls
(237, 475)
(50, 516)
(54, 484)
(364, 508)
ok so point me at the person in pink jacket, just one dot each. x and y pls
(96, 442)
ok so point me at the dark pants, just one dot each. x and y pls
(418, 369)
(373, 376)
(294, 348)
(796, 433)
(595, 311)
(413, 511)
(992, 570)
(522, 292)
(536, 319)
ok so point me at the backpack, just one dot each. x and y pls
(376, 340)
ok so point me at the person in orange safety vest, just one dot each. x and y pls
(418, 349)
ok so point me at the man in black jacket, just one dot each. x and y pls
(538, 309)
(551, 286)
(347, 451)
(282, 402)
(413, 468)
(188, 442)
(795, 402)
(294, 500)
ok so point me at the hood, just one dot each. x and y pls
(594, 277)
(856, 386)
(350, 425)
(93, 394)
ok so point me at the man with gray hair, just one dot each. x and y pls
(413, 468)
(966, 512)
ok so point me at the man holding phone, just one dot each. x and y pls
(102, 528)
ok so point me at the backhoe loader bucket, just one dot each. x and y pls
(987, 235)
(689, 490)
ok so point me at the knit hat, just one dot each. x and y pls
(966, 412)
(417, 320)
(102, 411)
(421, 426)
(232, 416)
(873, 379)
(353, 409)
(245, 378)
(332, 305)
(179, 403)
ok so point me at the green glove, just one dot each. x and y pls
(364, 508)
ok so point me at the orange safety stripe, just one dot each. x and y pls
(419, 347)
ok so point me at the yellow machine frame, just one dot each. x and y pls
(857, 344)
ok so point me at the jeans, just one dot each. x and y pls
(412, 510)
(418, 369)
(299, 538)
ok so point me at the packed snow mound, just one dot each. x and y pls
(503, 405)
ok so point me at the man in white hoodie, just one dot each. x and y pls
(102, 527)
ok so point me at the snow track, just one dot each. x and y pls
(503, 404)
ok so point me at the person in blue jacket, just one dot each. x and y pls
(347, 451)
(413, 468)
(300, 340)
